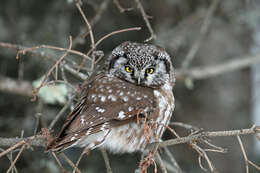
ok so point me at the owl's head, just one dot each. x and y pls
(141, 64)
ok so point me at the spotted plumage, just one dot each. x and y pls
(117, 105)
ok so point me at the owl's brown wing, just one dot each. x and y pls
(107, 102)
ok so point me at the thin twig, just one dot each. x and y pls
(77, 163)
(87, 23)
(172, 159)
(25, 50)
(70, 162)
(10, 158)
(243, 152)
(37, 117)
(106, 159)
(147, 22)
(102, 39)
(52, 68)
(184, 125)
(203, 30)
(103, 6)
(16, 158)
(121, 9)
(12, 148)
(160, 162)
(203, 154)
(117, 32)
(59, 163)
(170, 167)
(61, 112)
(254, 165)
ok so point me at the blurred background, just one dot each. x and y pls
(222, 31)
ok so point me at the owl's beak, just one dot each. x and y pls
(138, 76)
(139, 80)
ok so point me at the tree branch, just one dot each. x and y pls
(21, 87)
(253, 130)
(198, 73)
(39, 141)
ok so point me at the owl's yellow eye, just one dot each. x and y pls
(150, 70)
(128, 69)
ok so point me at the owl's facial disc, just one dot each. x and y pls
(141, 64)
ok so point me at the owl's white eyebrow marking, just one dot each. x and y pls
(110, 91)
(121, 114)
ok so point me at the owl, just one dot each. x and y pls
(126, 107)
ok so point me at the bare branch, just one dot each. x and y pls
(77, 163)
(21, 87)
(16, 158)
(160, 162)
(14, 146)
(121, 9)
(58, 161)
(39, 141)
(254, 165)
(35, 92)
(87, 23)
(117, 32)
(209, 134)
(106, 159)
(198, 73)
(203, 30)
(35, 141)
(173, 161)
(145, 17)
(243, 152)
(70, 162)
(103, 6)
(61, 112)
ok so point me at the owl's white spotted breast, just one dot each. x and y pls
(131, 138)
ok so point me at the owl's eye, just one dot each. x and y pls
(128, 69)
(149, 70)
